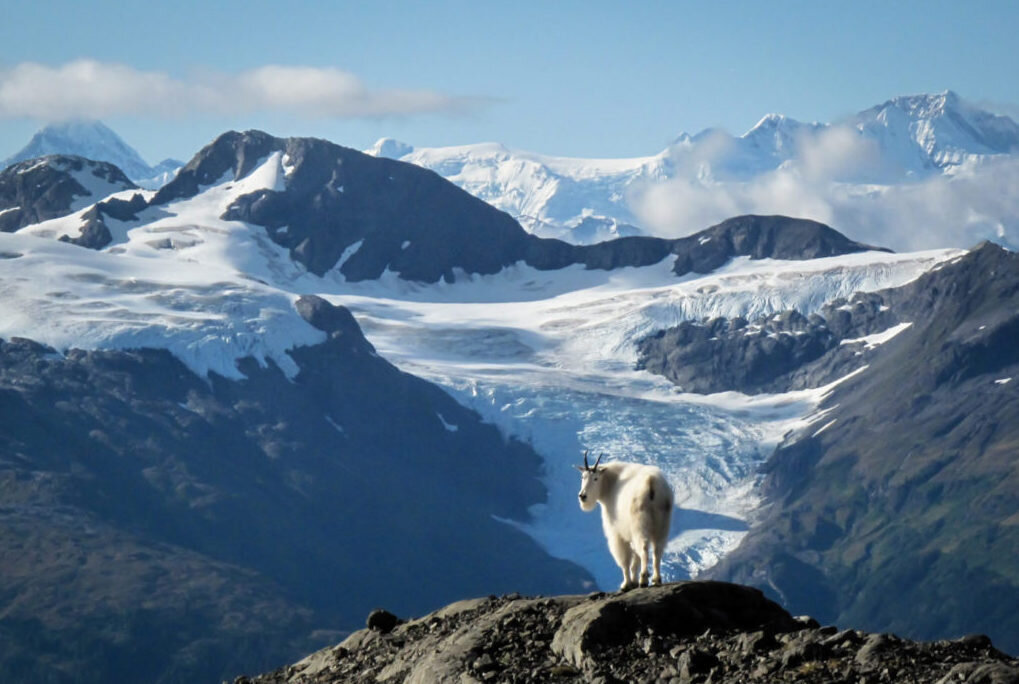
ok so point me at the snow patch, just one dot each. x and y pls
(825, 427)
(872, 341)
(449, 426)
(347, 253)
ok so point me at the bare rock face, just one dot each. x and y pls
(783, 352)
(683, 632)
(760, 237)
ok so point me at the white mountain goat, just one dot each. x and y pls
(636, 511)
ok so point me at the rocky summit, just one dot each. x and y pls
(682, 632)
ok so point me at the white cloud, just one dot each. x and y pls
(91, 89)
(837, 153)
(956, 210)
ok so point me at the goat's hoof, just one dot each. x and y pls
(626, 586)
(657, 581)
(643, 581)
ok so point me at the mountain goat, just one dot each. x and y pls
(636, 511)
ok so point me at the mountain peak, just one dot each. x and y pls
(946, 129)
(389, 147)
(86, 138)
(928, 105)
(774, 124)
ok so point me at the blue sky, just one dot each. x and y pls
(594, 79)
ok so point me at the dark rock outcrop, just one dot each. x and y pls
(760, 237)
(159, 526)
(896, 511)
(786, 351)
(42, 189)
(683, 633)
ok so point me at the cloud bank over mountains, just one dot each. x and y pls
(87, 88)
(840, 178)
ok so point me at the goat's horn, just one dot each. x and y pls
(586, 466)
(598, 460)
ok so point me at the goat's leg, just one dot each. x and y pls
(634, 566)
(622, 554)
(659, 550)
(642, 554)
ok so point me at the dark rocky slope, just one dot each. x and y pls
(158, 527)
(42, 189)
(897, 510)
(682, 633)
(787, 351)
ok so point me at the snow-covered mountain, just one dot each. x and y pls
(96, 141)
(943, 131)
(202, 357)
(842, 172)
(579, 200)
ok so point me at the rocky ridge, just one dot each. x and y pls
(53, 186)
(678, 633)
(784, 352)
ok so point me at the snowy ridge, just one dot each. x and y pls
(179, 278)
(551, 196)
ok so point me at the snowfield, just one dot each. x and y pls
(547, 356)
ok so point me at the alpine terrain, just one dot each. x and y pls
(879, 165)
(299, 382)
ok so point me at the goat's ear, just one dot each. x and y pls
(580, 468)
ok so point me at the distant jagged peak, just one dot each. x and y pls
(926, 105)
(945, 125)
(79, 129)
(773, 122)
(86, 138)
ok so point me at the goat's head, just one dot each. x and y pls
(590, 484)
